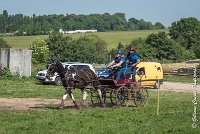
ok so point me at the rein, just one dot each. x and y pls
(62, 73)
(51, 72)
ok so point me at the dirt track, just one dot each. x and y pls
(179, 87)
(28, 103)
(42, 104)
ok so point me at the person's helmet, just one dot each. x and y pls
(132, 48)
(119, 52)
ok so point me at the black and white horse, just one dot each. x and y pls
(72, 78)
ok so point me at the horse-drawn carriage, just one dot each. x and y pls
(123, 93)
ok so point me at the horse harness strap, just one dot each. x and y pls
(83, 78)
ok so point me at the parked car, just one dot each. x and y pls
(41, 75)
(102, 73)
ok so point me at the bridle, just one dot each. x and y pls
(51, 71)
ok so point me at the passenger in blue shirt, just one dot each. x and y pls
(119, 62)
(133, 60)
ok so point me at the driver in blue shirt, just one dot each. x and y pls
(119, 62)
(133, 60)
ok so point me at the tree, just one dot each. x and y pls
(165, 48)
(2, 24)
(40, 52)
(187, 33)
(133, 24)
(159, 25)
(4, 44)
(89, 49)
(5, 21)
(57, 45)
(5, 13)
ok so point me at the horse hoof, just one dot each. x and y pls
(61, 105)
(103, 105)
(82, 103)
(78, 108)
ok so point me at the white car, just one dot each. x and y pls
(41, 75)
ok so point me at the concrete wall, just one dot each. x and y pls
(17, 60)
(5, 57)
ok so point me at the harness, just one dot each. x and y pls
(73, 78)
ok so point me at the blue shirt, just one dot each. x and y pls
(117, 60)
(133, 58)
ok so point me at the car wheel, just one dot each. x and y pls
(58, 81)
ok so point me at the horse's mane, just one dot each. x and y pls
(60, 67)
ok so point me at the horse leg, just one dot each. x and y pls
(69, 91)
(100, 97)
(74, 101)
(63, 99)
(84, 93)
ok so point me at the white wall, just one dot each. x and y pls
(17, 60)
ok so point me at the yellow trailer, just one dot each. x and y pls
(149, 73)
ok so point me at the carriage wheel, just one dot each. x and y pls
(122, 97)
(141, 97)
(95, 98)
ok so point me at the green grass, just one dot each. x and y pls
(28, 88)
(176, 111)
(182, 79)
(112, 38)
(22, 41)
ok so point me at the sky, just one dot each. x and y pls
(164, 11)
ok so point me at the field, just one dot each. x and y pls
(112, 38)
(176, 111)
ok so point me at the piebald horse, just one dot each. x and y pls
(72, 78)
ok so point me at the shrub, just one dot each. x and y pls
(40, 52)
(4, 44)
(6, 73)
(88, 48)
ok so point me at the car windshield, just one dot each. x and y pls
(102, 71)
(78, 67)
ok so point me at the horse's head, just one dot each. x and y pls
(52, 68)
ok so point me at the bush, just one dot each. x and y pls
(6, 73)
(165, 48)
(40, 52)
(159, 47)
(90, 48)
(4, 44)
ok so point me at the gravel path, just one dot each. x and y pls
(179, 87)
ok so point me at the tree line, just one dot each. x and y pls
(43, 24)
(181, 43)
